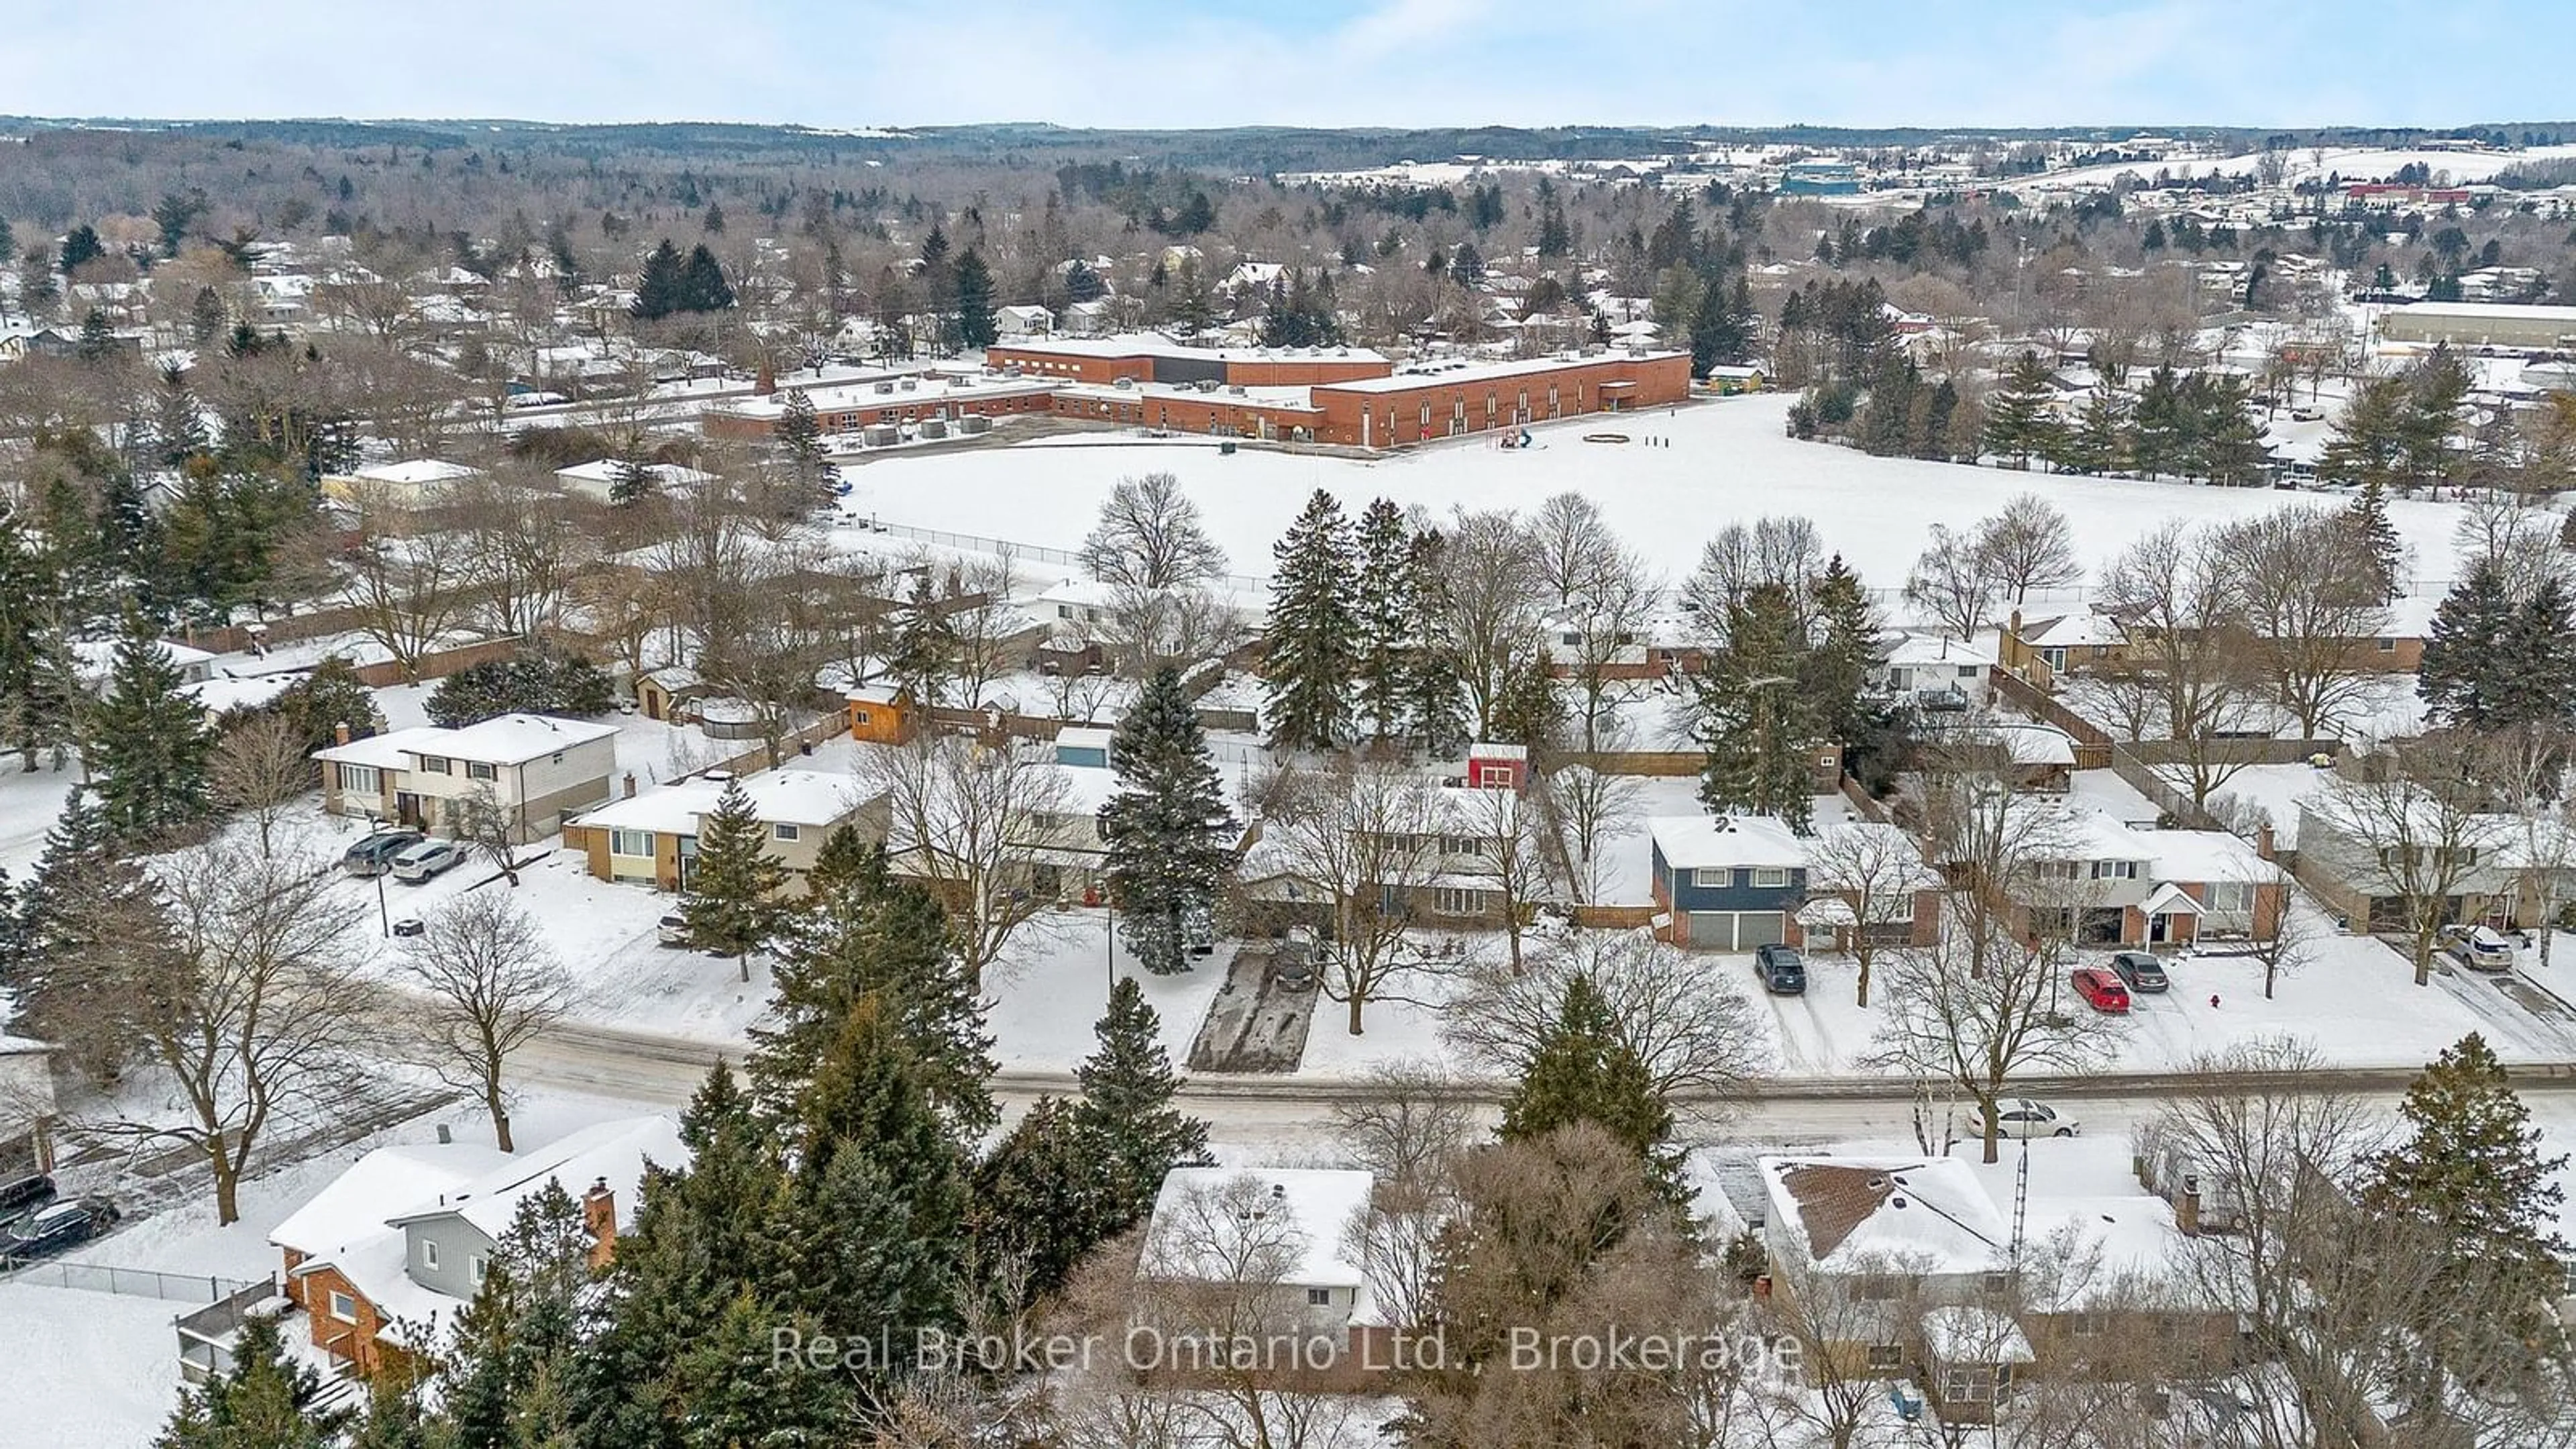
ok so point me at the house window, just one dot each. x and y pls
(477, 770)
(2091, 1325)
(858, 717)
(1968, 1385)
(1995, 1282)
(433, 764)
(344, 1307)
(2115, 870)
(2231, 897)
(1713, 878)
(429, 1254)
(784, 831)
(1457, 901)
(1461, 845)
(1886, 1358)
(2385, 646)
(1319, 1297)
(361, 779)
(474, 1269)
(1770, 876)
(630, 842)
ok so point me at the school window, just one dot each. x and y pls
(344, 1307)
(630, 842)
(784, 831)
(360, 779)
(477, 770)
(1771, 877)
(1461, 845)
(1319, 1297)
(1457, 901)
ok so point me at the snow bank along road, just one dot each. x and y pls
(664, 1070)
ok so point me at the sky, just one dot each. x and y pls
(1195, 63)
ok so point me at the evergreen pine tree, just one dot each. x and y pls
(1166, 827)
(1583, 1072)
(2098, 441)
(81, 882)
(1127, 1090)
(97, 342)
(976, 327)
(2462, 677)
(731, 904)
(147, 745)
(713, 223)
(1835, 673)
(1311, 655)
(703, 287)
(330, 696)
(1756, 722)
(2017, 416)
(800, 443)
(867, 938)
(1389, 620)
(507, 1365)
(1046, 1196)
(659, 294)
(1435, 695)
(266, 1400)
(35, 699)
(2369, 515)
(925, 645)
(2470, 1172)
(2535, 679)
(1529, 707)
(179, 425)
(208, 318)
(81, 246)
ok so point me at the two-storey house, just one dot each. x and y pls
(1227, 1251)
(2098, 882)
(535, 769)
(1728, 882)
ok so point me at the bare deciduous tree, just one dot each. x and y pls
(488, 985)
(2311, 601)
(1954, 583)
(1876, 871)
(2029, 545)
(980, 826)
(2184, 676)
(1783, 550)
(237, 983)
(1485, 614)
(1585, 810)
(2407, 829)
(1149, 537)
(1700, 1043)
(1408, 1127)
(406, 591)
(1367, 835)
(259, 768)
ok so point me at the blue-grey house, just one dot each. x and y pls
(1729, 882)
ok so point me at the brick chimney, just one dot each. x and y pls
(340, 733)
(599, 1217)
(767, 382)
(2263, 840)
(630, 784)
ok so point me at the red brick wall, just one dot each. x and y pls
(1497, 402)
(1239, 372)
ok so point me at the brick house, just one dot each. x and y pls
(381, 1259)
(2103, 883)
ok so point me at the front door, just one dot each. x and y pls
(407, 809)
(2157, 925)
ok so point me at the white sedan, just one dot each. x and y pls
(2023, 1118)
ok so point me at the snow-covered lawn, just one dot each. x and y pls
(84, 1368)
(30, 802)
(1048, 996)
(1728, 460)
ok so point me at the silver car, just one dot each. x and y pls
(427, 859)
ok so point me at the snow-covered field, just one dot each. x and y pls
(2352, 163)
(29, 804)
(1728, 460)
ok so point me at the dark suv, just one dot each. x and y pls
(62, 1226)
(2141, 970)
(1782, 969)
(375, 854)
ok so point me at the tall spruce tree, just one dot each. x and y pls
(1582, 1071)
(703, 287)
(2370, 525)
(2018, 422)
(506, 1371)
(2471, 1173)
(1046, 1196)
(1127, 1090)
(1312, 653)
(1529, 706)
(147, 744)
(1435, 694)
(659, 293)
(731, 904)
(1166, 827)
(1757, 724)
(976, 326)
(865, 938)
(2463, 675)
(1389, 612)
(800, 446)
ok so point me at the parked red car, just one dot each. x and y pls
(2102, 990)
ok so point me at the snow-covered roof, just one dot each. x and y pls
(1873, 1214)
(514, 739)
(1968, 1335)
(414, 472)
(1937, 648)
(778, 797)
(1446, 374)
(356, 1204)
(2072, 631)
(1689, 842)
(605, 472)
(613, 1152)
(1882, 841)
(392, 750)
(1319, 1201)
(2492, 311)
